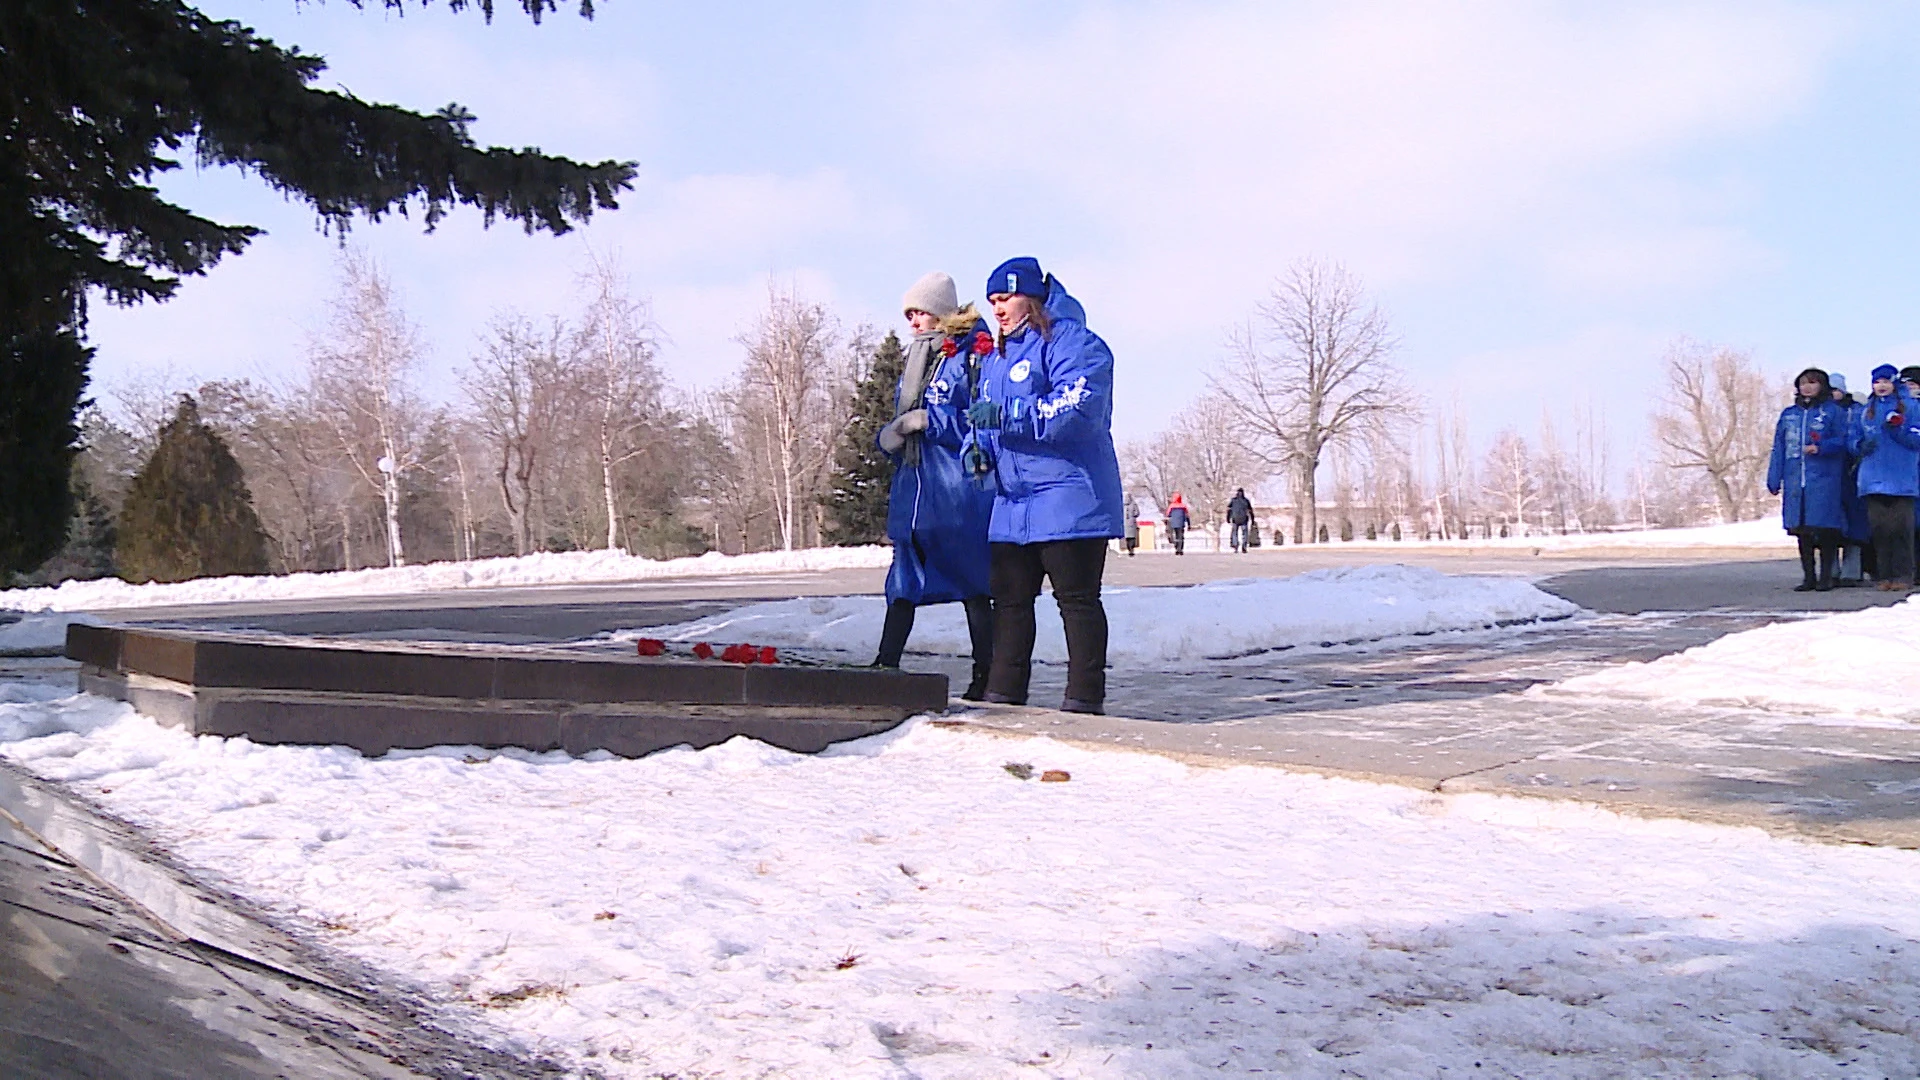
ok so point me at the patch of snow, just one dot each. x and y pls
(566, 568)
(906, 907)
(38, 634)
(1764, 535)
(1158, 625)
(1845, 668)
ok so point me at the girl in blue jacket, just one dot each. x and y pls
(1890, 477)
(936, 515)
(1811, 445)
(1042, 431)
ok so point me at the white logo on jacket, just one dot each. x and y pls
(1068, 398)
(1020, 371)
(938, 391)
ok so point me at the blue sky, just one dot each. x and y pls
(1541, 195)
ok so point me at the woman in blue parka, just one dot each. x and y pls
(1042, 431)
(1889, 477)
(936, 515)
(1812, 442)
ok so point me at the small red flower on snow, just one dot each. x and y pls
(982, 342)
(651, 646)
(769, 654)
(949, 347)
(703, 650)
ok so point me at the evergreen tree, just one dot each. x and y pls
(857, 502)
(188, 513)
(98, 97)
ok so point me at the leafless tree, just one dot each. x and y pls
(1202, 454)
(785, 401)
(1511, 479)
(621, 384)
(1714, 421)
(362, 369)
(291, 463)
(739, 502)
(520, 386)
(1309, 372)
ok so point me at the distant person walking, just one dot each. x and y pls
(1890, 477)
(1042, 428)
(1130, 537)
(936, 516)
(1177, 521)
(1812, 441)
(1239, 516)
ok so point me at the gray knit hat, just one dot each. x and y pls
(934, 294)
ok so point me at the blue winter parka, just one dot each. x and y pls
(1058, 478)
(1811, 485)
(936, 516)
(1856, 507)
(1889, 453)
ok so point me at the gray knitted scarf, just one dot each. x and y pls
(923, 360)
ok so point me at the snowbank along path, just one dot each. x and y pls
(1161, 625)
(909, 906)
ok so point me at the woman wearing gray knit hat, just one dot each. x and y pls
(936, 516)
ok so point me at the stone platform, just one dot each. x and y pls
(381, 696)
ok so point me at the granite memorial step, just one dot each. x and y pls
(380, 696)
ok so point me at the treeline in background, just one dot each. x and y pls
(565, 436)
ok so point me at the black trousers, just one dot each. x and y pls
(1826, 544)
(899, 626)
(1890, 518)
(1074, 567)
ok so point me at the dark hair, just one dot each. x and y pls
(1825, 393)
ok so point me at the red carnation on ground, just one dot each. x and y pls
(703, 650)
(651, 646)
(949, 347)
(982, 342)
(769, 654)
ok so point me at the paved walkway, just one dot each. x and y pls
(97, 984)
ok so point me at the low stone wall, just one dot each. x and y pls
(376, 697)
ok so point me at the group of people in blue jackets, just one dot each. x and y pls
(1005, 476)
(1848, 474)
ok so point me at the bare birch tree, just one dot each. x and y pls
(362, 369)
(621, 385)
(786, 396)
(1511, 479)
(1310, 372)
(1714, 420)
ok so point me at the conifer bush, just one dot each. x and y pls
(188, 513)
(862, 476)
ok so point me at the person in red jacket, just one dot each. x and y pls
(1178, 518)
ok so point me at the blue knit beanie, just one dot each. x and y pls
(1887, 372)
(1021, 276)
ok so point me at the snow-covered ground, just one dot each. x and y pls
(571, 568)
(1159, 625)
(1862, 666)
(1763, 535)
(37, 633)
(907, 907)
